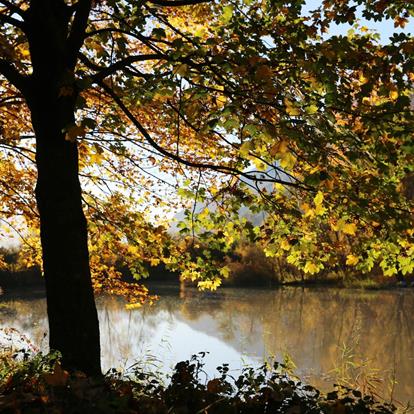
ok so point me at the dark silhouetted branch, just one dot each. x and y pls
(5, 18)
(13, 75)
(78, 29)
(104, 72)
(13, 8)
(224, 169)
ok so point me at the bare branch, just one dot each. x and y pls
(104, 72)
(78, 29)
(5, 18)
(145, 40)
(225, 169)
(13, 7)
(19, 233)
(13, 75)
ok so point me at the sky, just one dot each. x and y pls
(384, 28)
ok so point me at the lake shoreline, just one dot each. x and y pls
(33, 279)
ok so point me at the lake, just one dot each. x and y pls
(352, 336)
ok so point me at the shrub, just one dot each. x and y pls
(40, 385)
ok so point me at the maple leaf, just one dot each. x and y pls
(352, 260)
(73, 132)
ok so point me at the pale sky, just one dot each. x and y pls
(384, 28)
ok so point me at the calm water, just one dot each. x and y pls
(357, 336)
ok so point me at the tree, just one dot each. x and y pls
(257, 94)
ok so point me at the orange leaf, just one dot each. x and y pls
(58, 378)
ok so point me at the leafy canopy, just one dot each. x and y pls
(237, 105)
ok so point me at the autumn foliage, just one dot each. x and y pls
(251, 116)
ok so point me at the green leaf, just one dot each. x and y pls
(227, 13)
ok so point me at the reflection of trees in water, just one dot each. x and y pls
(320, 328)
(316, 326)
(313, 325)
(28, 316)
(124, 333)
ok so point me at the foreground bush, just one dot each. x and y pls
(40, 385)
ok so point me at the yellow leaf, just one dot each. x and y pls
(288, 161)
(209, 284)
(338, 225)
(393, 95)
(182, 70)
(245, 148)
(311, 268)
(291, 109)
(96, 158)
(311, 109)
(283, 147)
(25, 52)
(330, 184)
(221, 101)
(260, 165)
(352, 260)
(318, 198)
(362, 78)
(213, 190)
(285, 245)
(309, 212)
(342, 225)
(227, 13)
(132, 306)
(349, 228)
(319, 210)
(203, 214)
(225, 271)
(279, 148)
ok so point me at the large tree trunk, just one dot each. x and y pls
(73, 320)
(51, 95)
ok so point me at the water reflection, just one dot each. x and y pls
(352, 334)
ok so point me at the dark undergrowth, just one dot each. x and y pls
(38, 384)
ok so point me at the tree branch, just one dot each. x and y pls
(13, 8)
(13, 75)
(120, 65)
(5, 18)
(145, 40)
(78, 29)
(219, 168)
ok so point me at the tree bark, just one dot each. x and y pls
(73, 319)
(51, 95)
